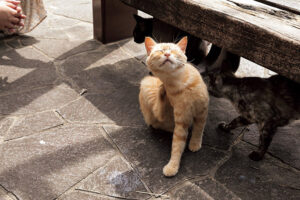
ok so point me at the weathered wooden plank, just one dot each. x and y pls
(288, 5)
(263, 34)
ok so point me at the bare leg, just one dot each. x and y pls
(235, 123)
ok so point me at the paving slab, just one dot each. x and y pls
(3, 47)
(220, 110)
(30, 124)
(134, 49)
(37, 100)
(5, 124)
(54, 27)
(105, 55)
(106, 108)
(112, 95)
(100, 70)
(46, 165)
(285, 144)
(116, 178)
(13, 43)
(251, 69)
(149, 151)
(215, 189)
(80, 195)
(25, 68)
(5, 195)
(266, 179)
(202, 189)
(189, 191)
(79, 9)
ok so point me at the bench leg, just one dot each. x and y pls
(113, 20)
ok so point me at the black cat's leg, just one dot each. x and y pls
(235, 123)
(266, 135)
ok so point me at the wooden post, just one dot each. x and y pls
(113, 20)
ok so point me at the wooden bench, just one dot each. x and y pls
(266, 32)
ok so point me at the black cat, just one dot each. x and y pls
(268, 102)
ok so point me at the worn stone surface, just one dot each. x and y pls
(149, 151)
(80, 195)
(45, 165)
(37, 100)
(59, 88)
(67, 48)
(25, 68)
(96, 75)
(106, 108)
(110, 54)
(13, 43)
(54, 27)
(5, 124)
(267, 179)
(116, 178)
(215, 190)
(202, 189)
(189, 191)
(80, 9)
(27, 125)
(248, 69)
(134, 49)
(220, 110)
(5, 195)
(285, 144)
(3, 47)
(107, 86)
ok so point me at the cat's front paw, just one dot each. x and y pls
(256, 156)
(170, 170)
(224, 127)
(194, 146)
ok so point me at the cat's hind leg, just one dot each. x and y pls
(197, 132)
(266, 135)
(235, 123)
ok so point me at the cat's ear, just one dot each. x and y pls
(183, 43)
(149, 44)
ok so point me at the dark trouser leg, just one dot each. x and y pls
(235, 123)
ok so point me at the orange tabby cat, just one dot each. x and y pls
(175, 98)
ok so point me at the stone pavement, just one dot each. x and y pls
(71, 129)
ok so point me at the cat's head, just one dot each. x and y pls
(165, 57)
(215, 84)
(142, 28)
(219, 78)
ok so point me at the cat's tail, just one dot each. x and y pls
(148, 96)
(149, 89)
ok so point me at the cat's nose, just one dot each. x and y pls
(167, 55)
